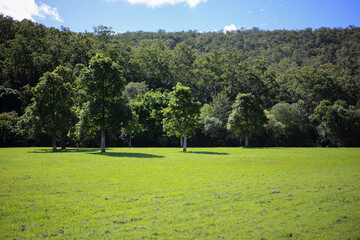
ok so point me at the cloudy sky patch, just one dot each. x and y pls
(28, 9)
(232, 27)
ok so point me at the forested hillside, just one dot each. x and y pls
(307, 82)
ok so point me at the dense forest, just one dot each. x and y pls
(306, 83)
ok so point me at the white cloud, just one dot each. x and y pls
(21, 9)
(158, 3)
(232, 27)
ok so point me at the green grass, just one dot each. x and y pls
(163, 193)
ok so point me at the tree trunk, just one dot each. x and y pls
(63, 140)
(130, 141)
(53, 138)
(184, 147)
(181, 142)
(246, 141)
(102, 140)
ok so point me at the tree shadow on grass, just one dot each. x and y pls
(206, 152)
(127, 155)
(70, 150)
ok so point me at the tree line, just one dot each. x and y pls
(262, 88)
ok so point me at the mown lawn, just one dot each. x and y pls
(163, 193)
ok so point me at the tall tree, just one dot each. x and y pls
(149, 107)
(343, 126)
(104, 85)
(182, 63)
(181, 115)
(68, 78)
(132, 127)
(298, 129)
(151, 64)
(209, 69)
(52, 105)
(314, 84)
(234, 73)
(247, 117)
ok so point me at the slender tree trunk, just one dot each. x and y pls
(130, 141)
(53, 138)
(246, 141)
(63, 140)
(181, 142)
(184, 147)
(102, 140)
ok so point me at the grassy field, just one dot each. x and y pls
(163, 193)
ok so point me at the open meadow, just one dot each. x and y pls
(163, 193)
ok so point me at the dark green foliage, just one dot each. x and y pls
(106, 108)
(247, 117)
(149, 107)
(182, 113)
(9, 100)
(214, 118)
(314, 84)
(133, 89)
(8, 132)
(150, 64)
(318, 119)
(182, 65)
(306, 66)
(132, 127)
(343, 126)
(293, 122)
(51, 110)
(213, 126)
(221, 106)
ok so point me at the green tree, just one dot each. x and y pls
(52, 105)
(68, 78)
(313, 84)
(213, 126)
(247, 117)
(133, 89)
(149, 107)
(274, 129)
(181, 115)
(318, 118)
(343, 126)
(221, 106)
(103, 35)
(104, 85)
(151, 64)
(132, 127)
(181, 64)
(234, 71)
(8, 128)
(299, 130)
(215, 121)
(209, 69)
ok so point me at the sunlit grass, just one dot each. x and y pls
(163, 193)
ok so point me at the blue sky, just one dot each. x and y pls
(183, 15)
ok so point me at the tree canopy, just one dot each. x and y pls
(104, 85)
(300, 70)
(51, 109)
(181, 115)
(247, 117)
